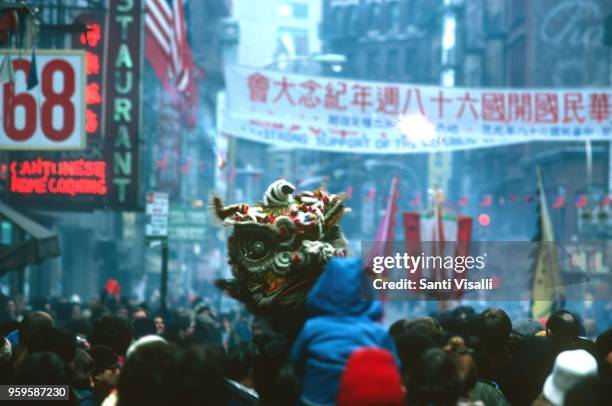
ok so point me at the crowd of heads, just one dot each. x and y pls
(464, 356)
(111, 345)
(111, 352)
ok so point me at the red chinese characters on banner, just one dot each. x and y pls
(572, 107)
(310, 100)
(546, 108)
(599, 106)
(467, 100)
(440, 101)
(284, 85)
(361, 97)
(365, 101)
(258, 87)
(333, 93)
(519, 107)
(493, 107)
(418, 101)
(388, 100)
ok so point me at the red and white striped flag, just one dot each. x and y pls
(169, 54)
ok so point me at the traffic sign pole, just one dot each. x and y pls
(164, 278)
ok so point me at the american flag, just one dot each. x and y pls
(168, 51)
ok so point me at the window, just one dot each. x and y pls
(409, 12)
(472, 69)
(409, 60)
(518, 11)
(394, 16)
(517, 62)
(374, 16)
(300, 10)
(339, 20)
(495, 63)
(295, 40)
(372, 65)
(474, 30)
(495, 15)
(391, 65)
(353, 20)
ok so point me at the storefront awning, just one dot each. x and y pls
(36, 244)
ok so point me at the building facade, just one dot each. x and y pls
(389, 40)
(543, 44)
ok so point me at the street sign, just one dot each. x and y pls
(186, 233)
(51, 115)
(187, 224)
(157, 209)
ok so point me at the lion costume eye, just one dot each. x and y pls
(255, 245)
(256, 249)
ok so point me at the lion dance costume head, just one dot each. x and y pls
(280, 246)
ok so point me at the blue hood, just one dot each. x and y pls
(338, 291)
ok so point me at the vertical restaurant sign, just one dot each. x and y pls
(122, 113)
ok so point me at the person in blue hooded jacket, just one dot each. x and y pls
(340, 323)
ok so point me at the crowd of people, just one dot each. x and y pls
(111, 352)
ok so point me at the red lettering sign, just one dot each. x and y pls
(519, 107)
(310, 100)
(493, 107)
(258, 87)
(599, 106)
(361, 96)
(440, 100)
(388, 100)
(408, 101)
(468, 101)
(572, 105)
(333, 94)
(546, 108)
(77, 177)
(285, 85)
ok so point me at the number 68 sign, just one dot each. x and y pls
(50, 116)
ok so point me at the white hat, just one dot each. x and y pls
(142, 341)
(570, 368)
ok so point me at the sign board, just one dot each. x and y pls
(92, 41)
(568, 43)
(29, 185)
(121, 122)
(188, 224)
(188, 233)
(61, 178)
(157, 209)
(112, 48)
(51, 115)
(333, 114)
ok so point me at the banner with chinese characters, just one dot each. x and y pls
(334, 114)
